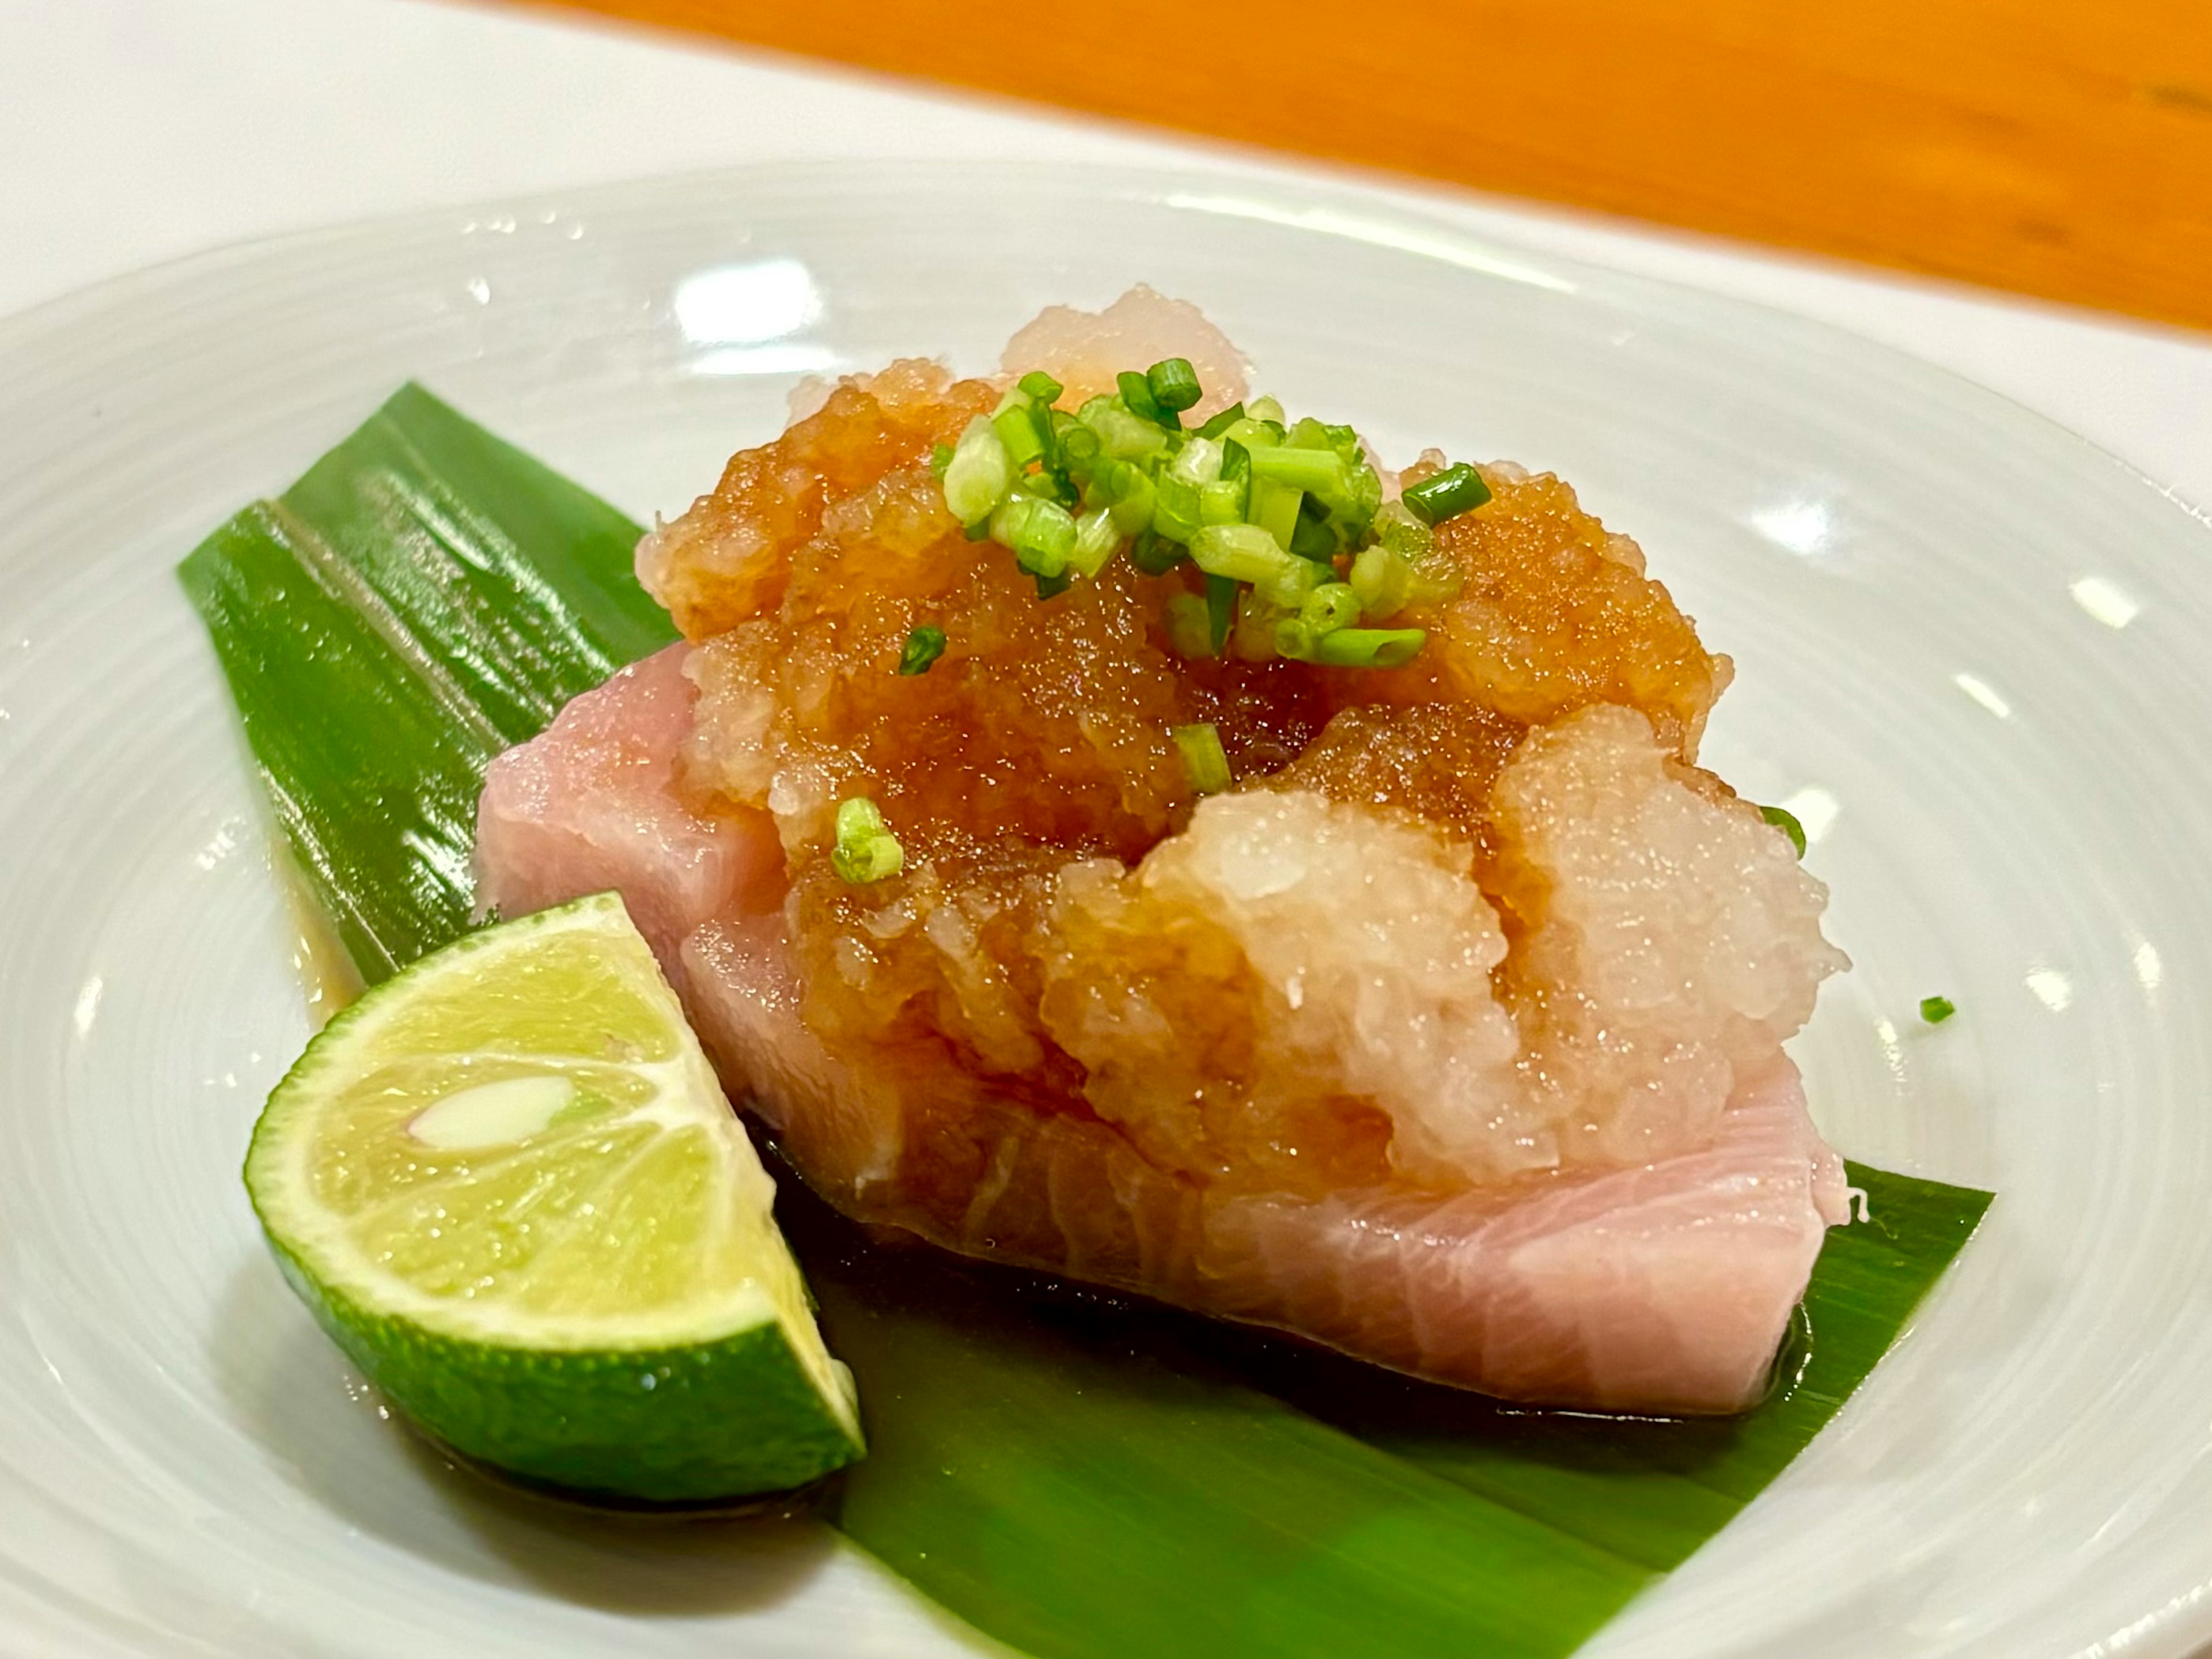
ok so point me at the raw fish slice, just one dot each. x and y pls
(592, 805)
(1663, 1288)
(1666, 1287)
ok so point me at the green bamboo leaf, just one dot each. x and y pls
(495, 574)
(1070, 1474)
(1075, 1475)
(425, 597)
(1652, 1491)
(348, 735)
(1065, 1418)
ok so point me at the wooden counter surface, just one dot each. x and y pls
(2058, 151)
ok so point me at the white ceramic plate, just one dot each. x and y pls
(1973, 655)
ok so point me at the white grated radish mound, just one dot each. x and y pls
(1287, 957)
(1673, 942)
(1085, 349)
(1307, 952)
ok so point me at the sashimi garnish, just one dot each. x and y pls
(1303, 908)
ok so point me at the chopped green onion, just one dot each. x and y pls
(1132, 509)
(1937, 1010)
(1254, 435)
(1078, 444)
(1200, 460)
(1380, 578)
(1786, 821)
(866, 850)
(1458, 488)
(1314, 470)
(1190, 626)
(1258, 506)
(1253, 637)
(1221, 502)
(1175, 510)
(1274, 507)
(1397, 529)
(941, 457)
(1174, 383)
(1047, 485)
(1154, 554)
(1110, 480)
(1356, 509)
(924, 645)
(1016, 427)
(1097, 538)
(1246, 553)
(1311, 537)
(1137, 397)
(1041, 534)
(1435, 576)
(1219, 425)
(1202, 757)
(1330, 607)
(1369, 647)
(1220, 612)
(979, 475)
(1127, 437)
(1290, 586)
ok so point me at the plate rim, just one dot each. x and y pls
(1157, 183)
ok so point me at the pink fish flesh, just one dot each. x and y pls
(1664, 1287)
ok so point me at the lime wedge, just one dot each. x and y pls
(508, 1185)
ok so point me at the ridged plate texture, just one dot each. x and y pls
(1971, 653)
